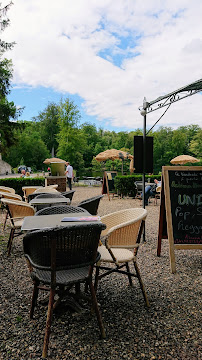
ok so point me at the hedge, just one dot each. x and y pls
(125, 185)
(18, 183)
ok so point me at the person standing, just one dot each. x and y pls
(69, 174)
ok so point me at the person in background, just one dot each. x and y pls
(69, 174)
(150, 190)
(23, 172)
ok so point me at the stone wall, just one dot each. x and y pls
(5, 168)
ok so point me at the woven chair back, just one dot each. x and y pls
(91, 204)
(122, 227)
(18, 209)
(7, 189)
(68, 194)
(73, 246)
(47, 195)
(60, 209)
(7, 195)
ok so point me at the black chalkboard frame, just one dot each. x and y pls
(168, 206)
(106, 182)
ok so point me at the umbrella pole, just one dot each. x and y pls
(144, 159)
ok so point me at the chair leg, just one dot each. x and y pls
(141, 283)
(48, 323)
(129, 276)
(95, 305)
(34, 298)
(96, 278)
(10, 241)
(5, 220)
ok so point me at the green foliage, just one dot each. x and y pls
(18, 183)
(30, 147)
(8, 110)
(49, 127)
(69, 139)
(196, 144)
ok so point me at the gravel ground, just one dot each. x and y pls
(169, 329)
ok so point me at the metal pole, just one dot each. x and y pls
(144, 156)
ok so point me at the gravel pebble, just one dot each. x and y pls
(169, 329)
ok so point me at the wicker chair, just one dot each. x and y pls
(49, 195)
(68, 194)
(45, 189)
(17, 210)
(8, 195)
(29, 190)
(60, 258)
(60, 209)
(123, 232)
(7, 189)
(91, 204)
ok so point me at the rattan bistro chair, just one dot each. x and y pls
(60, 258)
(49, 195)
(7, 189)
(60, 209)
(91, 204)
(8, 195)
(68, 194)
(123, 233)
(27, 190)
(17, 210)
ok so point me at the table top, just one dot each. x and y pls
(49, 201)
(50, 221)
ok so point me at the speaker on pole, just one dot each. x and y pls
(138, 154)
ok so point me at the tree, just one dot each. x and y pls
(49, 127)
(30, 147)
(8, 110)
(196, 145)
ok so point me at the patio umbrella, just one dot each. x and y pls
(49, 161)
(184, 159)
(113, 154)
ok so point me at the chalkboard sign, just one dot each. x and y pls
(183, 204)
(108, 182)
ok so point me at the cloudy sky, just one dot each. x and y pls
(106, 56)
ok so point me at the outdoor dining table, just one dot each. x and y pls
(50, 221)
(45, 202)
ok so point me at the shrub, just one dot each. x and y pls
(125, 185)
(18, 183)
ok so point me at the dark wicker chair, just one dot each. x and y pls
(59, 258)
(68, 194)
(33, 195)
(60, 209)
(91, 204)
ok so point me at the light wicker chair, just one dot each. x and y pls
(7, 189)
(29, 190)
(7, 195)
(123, 233)
(60, 258)
(44, 189)
(17, 210)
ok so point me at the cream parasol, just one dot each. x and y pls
(53, 160)
(184, 159)
(113, 154)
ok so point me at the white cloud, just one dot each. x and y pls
(59, 45)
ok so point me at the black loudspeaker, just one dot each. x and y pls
(138, 154)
